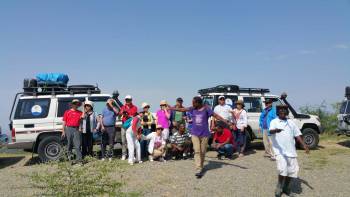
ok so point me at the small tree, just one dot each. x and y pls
(64, 180)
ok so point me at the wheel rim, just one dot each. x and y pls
(53, 150)
(309, 139)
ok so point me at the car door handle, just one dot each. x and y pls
(59, 123)
(29, 126)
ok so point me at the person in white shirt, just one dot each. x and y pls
(241, 122)
(284, 132)
(157, 144)
(223, 109)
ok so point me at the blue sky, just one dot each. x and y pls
(157, 50)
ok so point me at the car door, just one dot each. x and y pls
(32, 116)
(253, 106)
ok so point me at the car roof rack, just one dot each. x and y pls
(59, 90)
(232, 89)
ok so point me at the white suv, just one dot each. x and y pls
(253, 99)
(36, 117)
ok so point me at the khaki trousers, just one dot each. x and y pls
(200, 145)
(267, 144)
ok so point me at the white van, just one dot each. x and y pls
(253, 99)
(36, 117)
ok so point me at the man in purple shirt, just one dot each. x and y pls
(200, 130)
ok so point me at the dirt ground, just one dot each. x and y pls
(325, 172)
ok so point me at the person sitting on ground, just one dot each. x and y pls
(283, 134)
(223, 141)
(180, 144)
(157, 144)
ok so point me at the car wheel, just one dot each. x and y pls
(50, 149)
(310, 137)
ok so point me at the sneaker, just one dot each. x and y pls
(110, 159)
(131, 163)
(150, 158)
(123, 157)
(162, 159)
(140, 162)
(241, 155)
(219, 156)
(103, 159)
(199, 174)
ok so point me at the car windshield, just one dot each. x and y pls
(99, 103)
(208, 101)
(344, 108)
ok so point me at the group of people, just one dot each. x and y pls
(179, 131)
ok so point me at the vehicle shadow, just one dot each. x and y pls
(9, 161)
(345, 143)
(297, 185)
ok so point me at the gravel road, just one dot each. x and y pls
(325, 172)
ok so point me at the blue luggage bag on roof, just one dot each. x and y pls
(52, 79)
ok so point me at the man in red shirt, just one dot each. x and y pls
(71, 123)
(223, 141)
(128, 110)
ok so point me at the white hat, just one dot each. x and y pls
(144, 105)
(89, 103)
(222, 96)
(128, 97)
(163, 102)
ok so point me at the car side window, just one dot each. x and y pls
(32, 108)
(252, 104)
(64, 104)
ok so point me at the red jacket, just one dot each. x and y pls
(130, 109)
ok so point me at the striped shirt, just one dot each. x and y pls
(179, 139)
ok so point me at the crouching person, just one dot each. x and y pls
(71, 123)
(156, 147)
(284, 132)
(180, 143)
(223, 141)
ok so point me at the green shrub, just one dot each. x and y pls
(64, 180)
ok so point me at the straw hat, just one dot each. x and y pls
(145, 105)
(163, 102)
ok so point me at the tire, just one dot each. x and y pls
(50, 149)
(310, 137)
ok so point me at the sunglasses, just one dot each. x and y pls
(162, 105)
(160, 129)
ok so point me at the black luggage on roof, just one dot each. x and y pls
(232, 89)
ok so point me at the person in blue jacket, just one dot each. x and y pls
(267, 115)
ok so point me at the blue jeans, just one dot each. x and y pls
(144, 143)
(240, 138)
(226, 150)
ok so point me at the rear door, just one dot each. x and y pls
(31, 117)
(253, 106)
(63, 104)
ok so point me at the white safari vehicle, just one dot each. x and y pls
(36, 116)
(344, 115)
(253, 99)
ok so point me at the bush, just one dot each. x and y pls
(64, 180)
(326, 113)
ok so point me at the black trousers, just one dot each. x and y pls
(87, 144)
